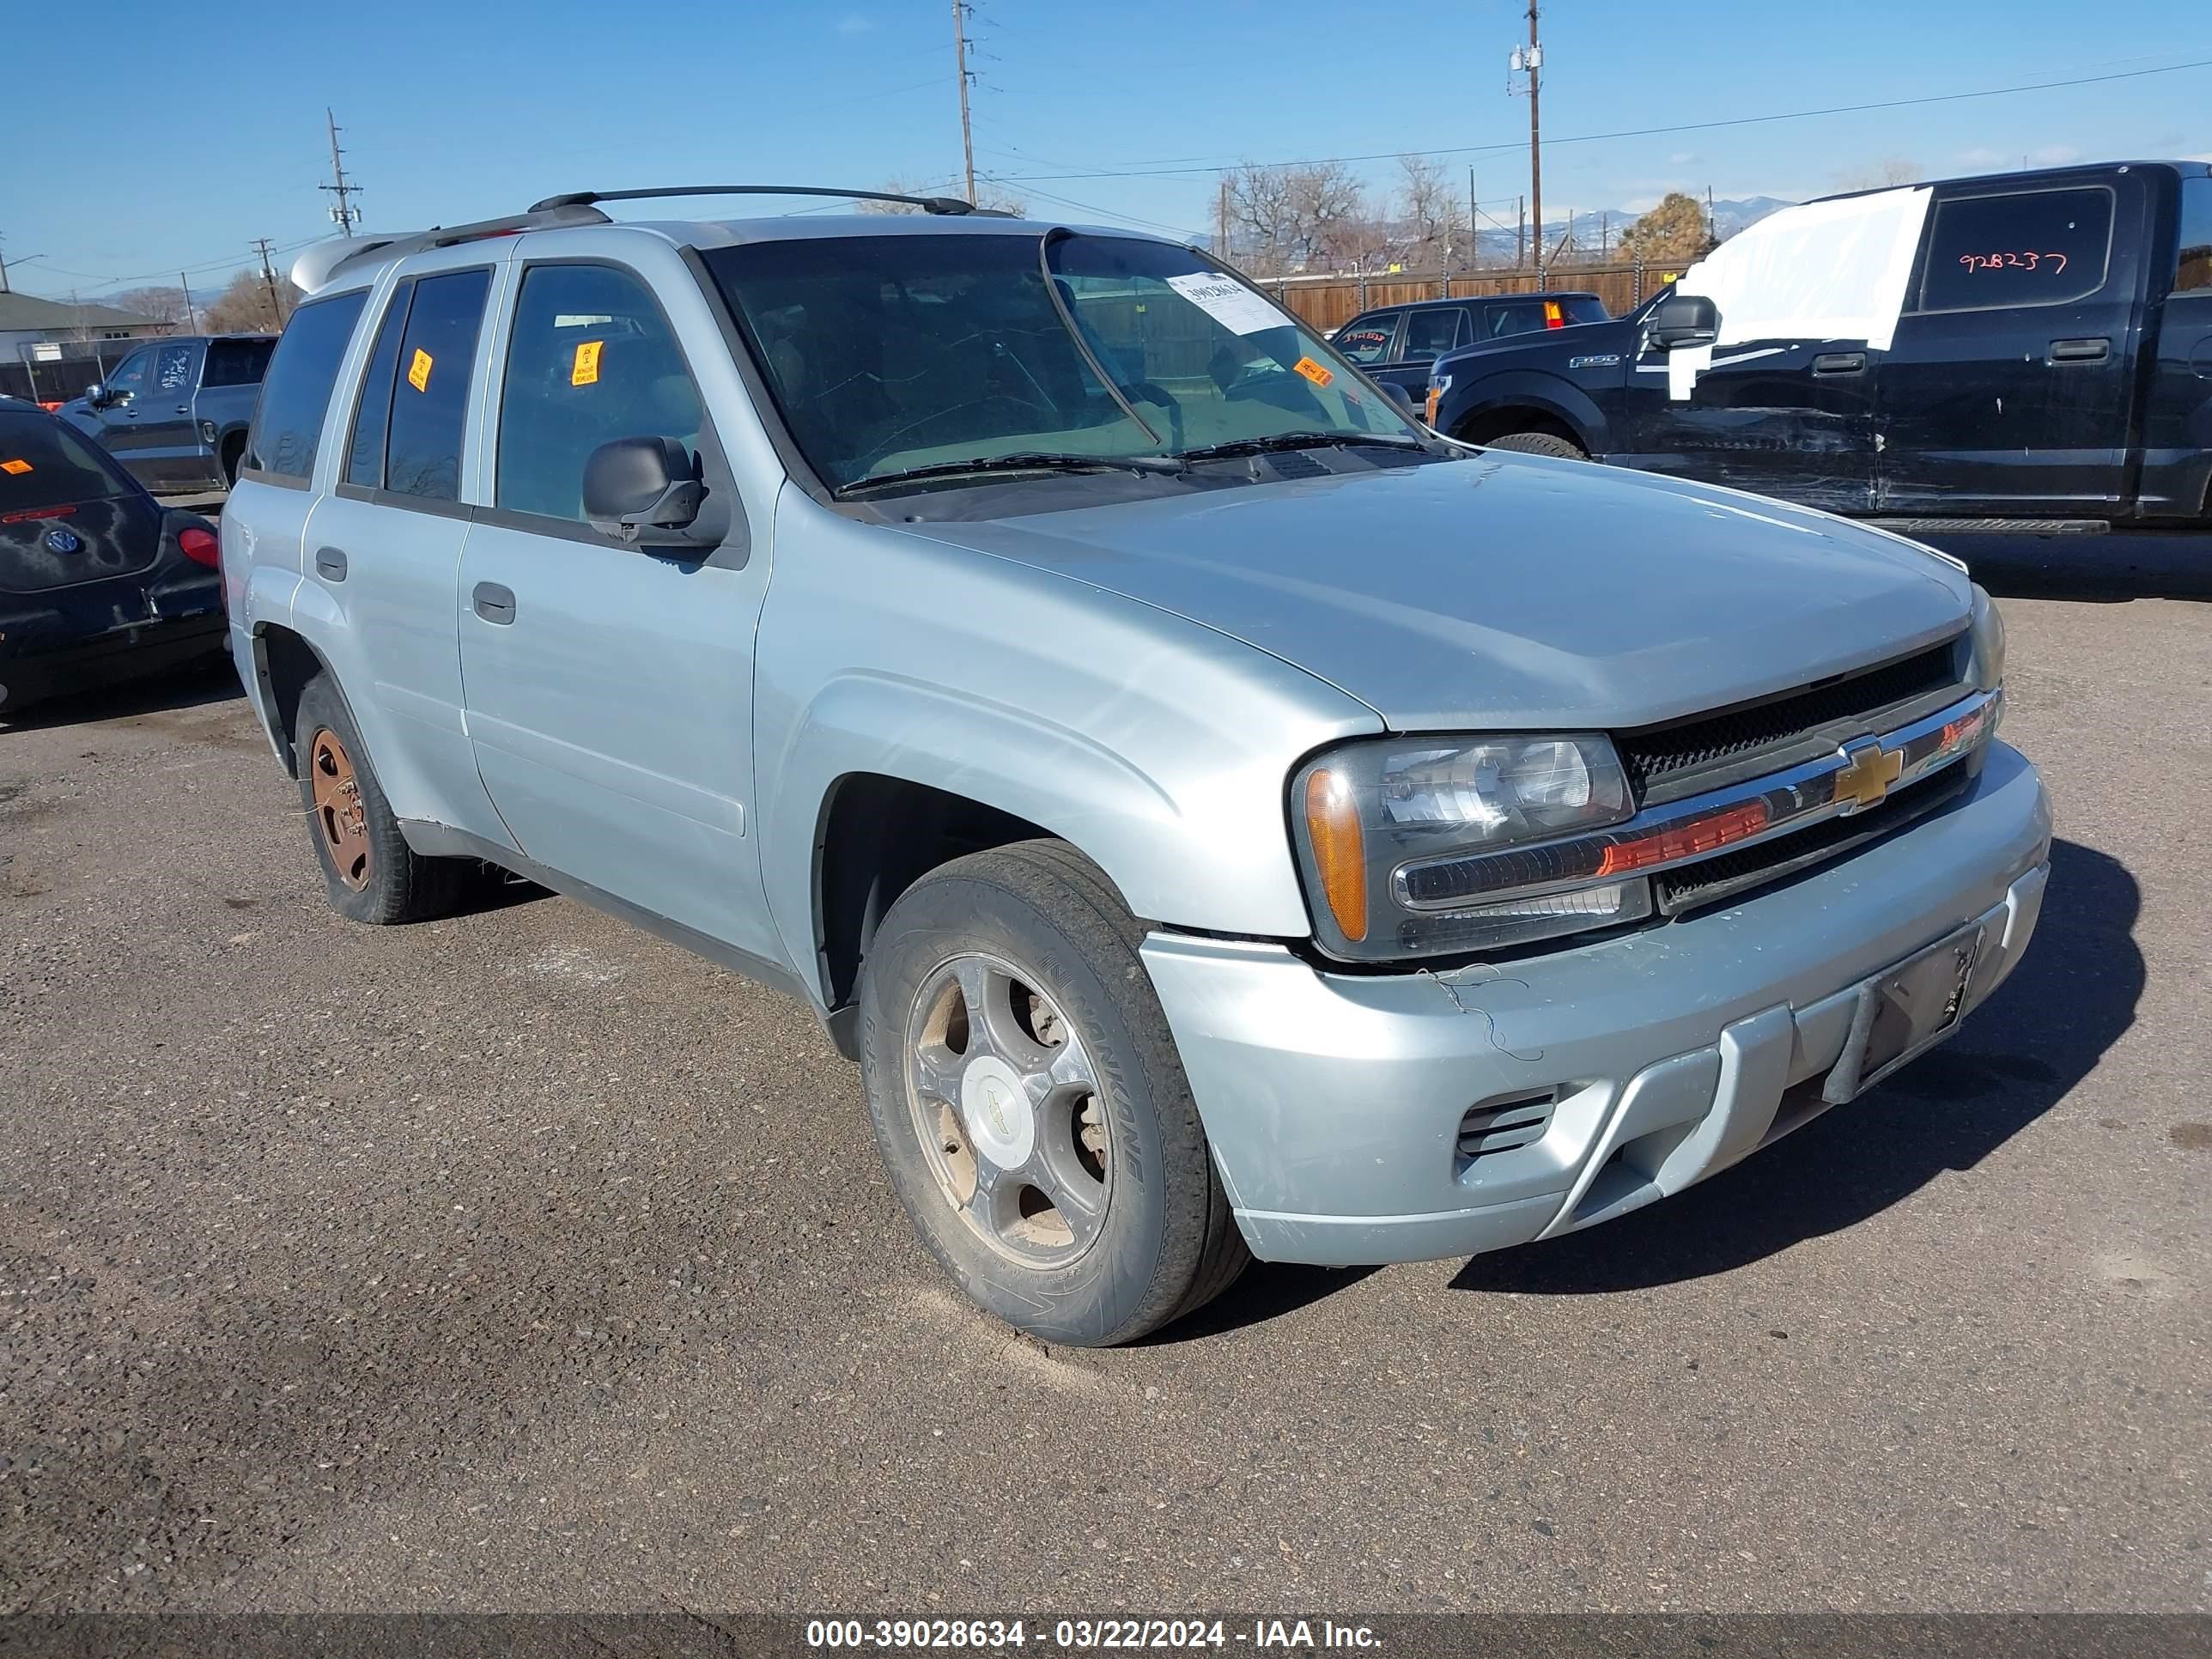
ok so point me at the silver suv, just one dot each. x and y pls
(1220, 818)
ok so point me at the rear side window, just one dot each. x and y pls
(1428, 332)
(2193, 270)
(1367, 339)
(288, 425)
(173, 369)
(371, 411)
(44, 462)
(2038, 247)
(236, 362)
(1584, 308)
(1518, 317)
(591, 360)
(431, 389)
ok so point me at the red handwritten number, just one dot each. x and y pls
(2010, 259)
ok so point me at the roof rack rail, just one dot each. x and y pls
(951, 205)
(319, 264)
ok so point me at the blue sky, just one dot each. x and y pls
(468, 108)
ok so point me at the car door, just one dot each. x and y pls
(610, 687)
(115, 423)
(2177, 423)
(165, 440)
(383, 549)
(2005, 392)
(1428, 332)
(1793, 419)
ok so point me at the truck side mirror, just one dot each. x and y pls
(1684, 319)
(633, 487)
(96, 395)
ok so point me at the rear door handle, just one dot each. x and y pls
(1839, 362)
(330, 564)
(495, 604)
(2080, 351)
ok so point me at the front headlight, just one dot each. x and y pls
(1373, 818)
(1438, 385)
(1988, 642)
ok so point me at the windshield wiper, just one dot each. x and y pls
(1026, 461)
(1282, 440)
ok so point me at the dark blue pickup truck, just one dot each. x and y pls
(2048, 358)
(175, 412)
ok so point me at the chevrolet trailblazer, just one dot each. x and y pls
(1220, 818)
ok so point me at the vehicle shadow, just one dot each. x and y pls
(2072, 997)
(200, 683)
(2104, 569)
(1267, 1291)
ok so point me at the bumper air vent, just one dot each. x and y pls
(1505, 1126)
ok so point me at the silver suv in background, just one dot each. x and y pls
(1220, 818)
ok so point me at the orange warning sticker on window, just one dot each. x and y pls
(1313, 371)
(15, 469)
(418, 371)
(586, 370)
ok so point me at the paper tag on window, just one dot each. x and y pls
(418, 371)
(15, 469)
(1313, 371)
(1229, 302)
(586, 370)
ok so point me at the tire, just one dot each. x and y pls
(1157, 1241)
(370, 874)
(1539, 443)
(233, 454)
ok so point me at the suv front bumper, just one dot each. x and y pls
(1334, 1102)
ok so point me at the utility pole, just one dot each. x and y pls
(269, 277)
(342, 210)
(960, 58)
(191, 317)
(1520, 230)
(1713, 227)
(1532, 61)
(1221, 222)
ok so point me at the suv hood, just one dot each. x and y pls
(1506, 591)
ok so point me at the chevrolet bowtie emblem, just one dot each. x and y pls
(1867, 779)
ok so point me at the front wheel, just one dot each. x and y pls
(1032, 1109)
(1539, 443)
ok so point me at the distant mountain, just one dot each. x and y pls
(1596, 227)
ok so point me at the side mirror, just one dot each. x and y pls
(1684, 319)
(1398, 395)
(96, 395)
(633, 487)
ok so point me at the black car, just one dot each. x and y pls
(2048, 366)
(1396, 343)
(98, 582)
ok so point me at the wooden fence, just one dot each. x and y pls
(1329, 301)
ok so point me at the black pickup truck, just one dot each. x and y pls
(2050, 361)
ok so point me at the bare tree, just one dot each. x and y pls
(1430, 219)
(1886, 174)
(163, 305)
(243, 306)
(987, 195)
(1288, 219)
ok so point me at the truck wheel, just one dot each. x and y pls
(370, 872)
(1539, 443)
(1032, 1109)
(234, 453)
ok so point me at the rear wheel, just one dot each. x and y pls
(1032, 1109)
(234, 453)
(370, 872)
(1539, 443)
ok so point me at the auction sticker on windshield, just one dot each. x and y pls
(1230, 303)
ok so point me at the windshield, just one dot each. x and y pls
(889, 353)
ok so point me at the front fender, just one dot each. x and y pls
(1529, 388)
(1159, 748)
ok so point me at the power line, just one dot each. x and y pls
(1641, 132)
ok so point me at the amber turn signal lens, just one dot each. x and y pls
(1339, 850)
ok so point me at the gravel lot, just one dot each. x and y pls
(523, 1260)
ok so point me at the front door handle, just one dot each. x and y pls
(331, 564)
(1839, 362)
(2080, 351)
(495, 604)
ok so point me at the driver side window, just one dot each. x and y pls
(130, 376)
(591, 360)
